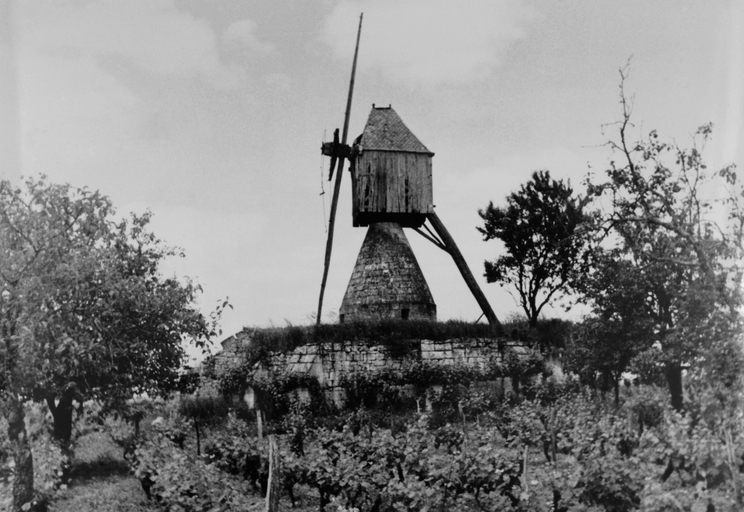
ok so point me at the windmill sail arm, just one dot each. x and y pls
(337, 185)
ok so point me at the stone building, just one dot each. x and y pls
(387, 282)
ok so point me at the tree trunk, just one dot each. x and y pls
(62, 414)
(533, 313)
(23, 482)
(673, 371)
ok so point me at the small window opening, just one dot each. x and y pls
(404, 313)
(341, 318)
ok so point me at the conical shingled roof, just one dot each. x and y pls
(385, 131)
(387, 281)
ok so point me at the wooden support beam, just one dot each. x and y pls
(467, 275)
(431, 233)
(432, 239)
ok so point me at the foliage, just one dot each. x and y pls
(563, 449)
(678, 249)
(648, 366)
(377, 470)
(276, 393)
(203, 408)
(604, 347)
(605, 342)
(188, 381)
(181, 481)
(385, 388)
(549, 335)
(397, 390)
(208, 367)
(235, 450)
(202, 411)
(86, 314)
(542, 229)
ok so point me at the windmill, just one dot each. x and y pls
(391, 175)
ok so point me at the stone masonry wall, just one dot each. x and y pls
(232, 354)
(329, 362)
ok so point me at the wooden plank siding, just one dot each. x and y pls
(389, 185)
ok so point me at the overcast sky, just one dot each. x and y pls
(211, 115)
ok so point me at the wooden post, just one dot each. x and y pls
(259, 424)
(198, 437)
(553, 436)
(467, 275)
(275, 475)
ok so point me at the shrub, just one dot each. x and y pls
(649, 366)
(180, 481)
(273, 393)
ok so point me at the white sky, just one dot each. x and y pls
(211, 115)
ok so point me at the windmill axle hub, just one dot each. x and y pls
(336, 149)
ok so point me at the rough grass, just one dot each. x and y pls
(111, 493)
(284, 339)
(100, 480)
(402, 334)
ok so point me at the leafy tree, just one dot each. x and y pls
(84, 312)
(605, 342)
(542, 231)
(680, 248)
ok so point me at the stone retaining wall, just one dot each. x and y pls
(233, 352)
(330, 362)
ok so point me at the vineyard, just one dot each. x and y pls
(559, 448)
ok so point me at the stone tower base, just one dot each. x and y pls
(387, 282)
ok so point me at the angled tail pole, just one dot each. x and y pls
(336, 148)
(462, 266)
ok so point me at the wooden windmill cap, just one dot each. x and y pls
(385, 131)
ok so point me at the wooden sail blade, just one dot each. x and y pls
(333, 153)
(333, 166)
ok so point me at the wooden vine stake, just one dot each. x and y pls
(272, 492)
(553, 436)
(525, 496)
(259, 424)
